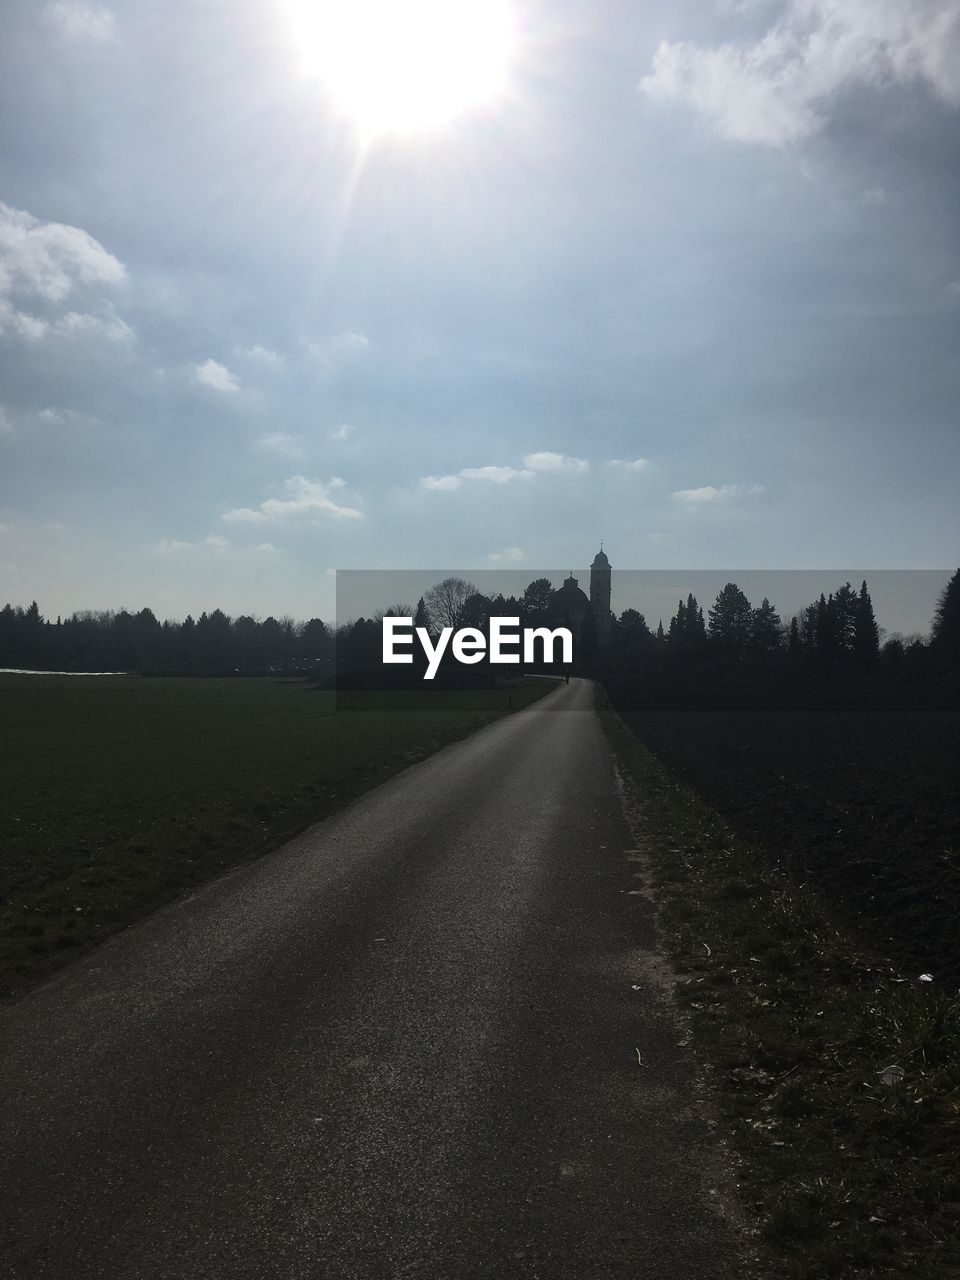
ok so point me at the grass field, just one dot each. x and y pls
(853, 1171)
(118, 794)
(852, 789)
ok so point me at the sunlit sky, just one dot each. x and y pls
(681, 276)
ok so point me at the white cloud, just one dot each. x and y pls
(44, 263)
(20, 323)
(48, 260)
(533, 464)
(630, 464)
(555, 462)
(6, 422)
(495, 475)
(509, 555)
(61, 417)
(71, 325)
(488, 475)
(306, 497)
(82, 21)
(265, 546)
(778, 89)
(214, 541)
(338, 434)
(55, 526)
(336, 352)
(77, 324)
(709, 493)
(216, 376)
(261, 356)
(288, 446)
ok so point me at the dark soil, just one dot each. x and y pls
(852, 789)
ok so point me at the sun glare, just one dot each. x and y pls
(401, 66)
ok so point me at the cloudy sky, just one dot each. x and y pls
(685, 277)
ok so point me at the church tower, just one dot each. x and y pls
(600, 593)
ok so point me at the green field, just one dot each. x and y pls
(119, 793)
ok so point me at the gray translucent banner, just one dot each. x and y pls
(904, 600)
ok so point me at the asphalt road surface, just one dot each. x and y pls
(407, 1044)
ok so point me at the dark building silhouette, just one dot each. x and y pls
(600, 572)
(571, 607)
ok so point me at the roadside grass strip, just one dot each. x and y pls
(839, 1075)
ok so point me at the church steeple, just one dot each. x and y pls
(600, 592)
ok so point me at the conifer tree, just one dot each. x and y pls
(810, 622)
(826, 640)
(844, 619)
(866, 634)
(766, 629)
(730, 621)
(695, 632)
(945, 635)
(680, 630)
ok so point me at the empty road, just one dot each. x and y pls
(403, 1045)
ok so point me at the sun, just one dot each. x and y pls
(404, 66)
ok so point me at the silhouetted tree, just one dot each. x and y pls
(945, 633)
(793, 642)
(630, 645)
(445, 601)
(677, 630)
(766, 630)
(826, 632)
(364, 646)
(891, 656)
(214, 641)
(810, 621)
(421, 618)
(843, 606)
(475, 611)
(146, 634)
(695, 631)
(866, 634)
(316, 643)
(537, 603)
(33, 632)
(731, 619)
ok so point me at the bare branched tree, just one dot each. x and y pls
(445, 601)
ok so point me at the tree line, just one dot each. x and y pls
(124, 641)
(837, 633)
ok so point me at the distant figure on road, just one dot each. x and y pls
(566, 674)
